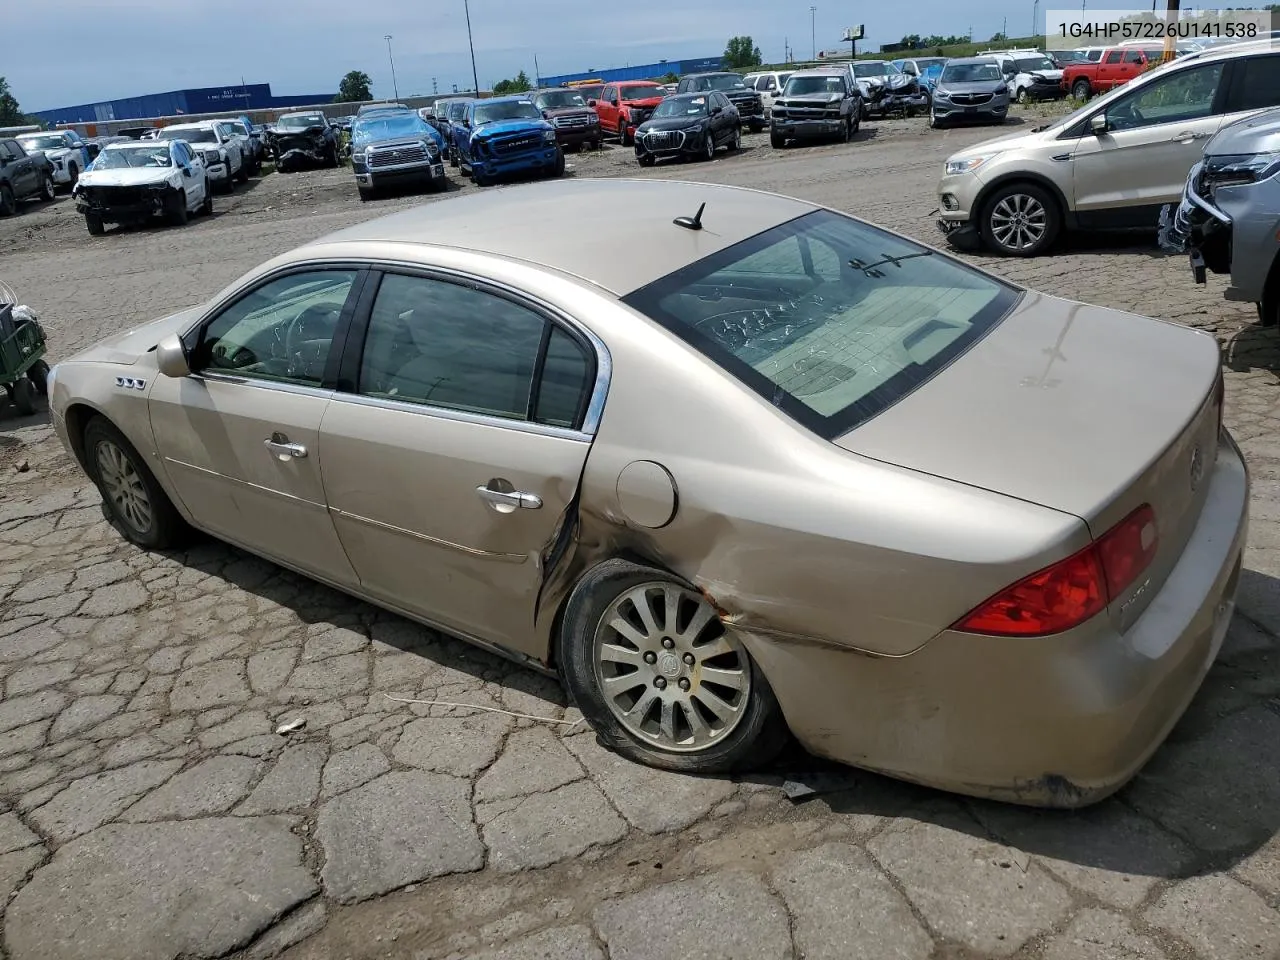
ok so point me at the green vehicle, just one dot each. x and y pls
(23, 370)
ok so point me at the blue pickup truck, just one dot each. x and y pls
(506, 135)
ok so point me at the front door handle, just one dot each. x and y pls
(507, 501)
(1186, 136)
(280, 447)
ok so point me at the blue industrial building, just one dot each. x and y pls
(237, 97)
(647, 71)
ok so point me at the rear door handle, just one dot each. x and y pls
(507, 501)
(280, 447)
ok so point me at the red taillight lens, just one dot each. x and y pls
(1071, 591)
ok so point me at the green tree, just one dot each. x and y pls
(10, 113)
(740, 54)
(518, 84)
(912, 41)
(354, 88)
(998, 37)
(668, 77)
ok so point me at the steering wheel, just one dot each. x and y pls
(307, 338)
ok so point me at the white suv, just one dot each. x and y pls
(768, 84)
(1029, 74)
(1113, 163)
(221, 149)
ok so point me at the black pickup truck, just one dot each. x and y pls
(732, 85)
(23, 176)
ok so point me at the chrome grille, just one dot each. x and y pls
(526, 141)
(664, 139)
(571, 123)
(970, 99)
(394, 156)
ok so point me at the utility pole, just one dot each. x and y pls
(813, 30)
(475, 78)
(1035, 17)
(1004, 30)
(394, 86)
(537, 73)
(434, 87)
(1170, 38)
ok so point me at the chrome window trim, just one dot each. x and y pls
(604, 360)
(281, 386)
(462, 416)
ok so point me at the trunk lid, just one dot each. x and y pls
(1082, 409)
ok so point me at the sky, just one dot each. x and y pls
(83, 51)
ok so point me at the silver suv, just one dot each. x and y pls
(1230, 206)
(1113, 163)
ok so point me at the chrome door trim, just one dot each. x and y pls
(245, 483)
(434, 541)
(463, 416)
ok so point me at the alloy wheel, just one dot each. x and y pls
(668, 670)
(124, 486)
(1019, 221)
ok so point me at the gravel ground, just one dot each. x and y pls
(149, 810)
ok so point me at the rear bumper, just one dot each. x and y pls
(1061, 721)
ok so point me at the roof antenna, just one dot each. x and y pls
(691, 223)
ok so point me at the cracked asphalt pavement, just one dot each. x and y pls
(150, 809)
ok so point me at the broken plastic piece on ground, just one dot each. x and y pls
(803, 786)
(289, 726)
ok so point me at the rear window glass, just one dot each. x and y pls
(829, 319)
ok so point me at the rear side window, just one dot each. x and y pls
(829, 319)
(1260, 83)
(1134, 56)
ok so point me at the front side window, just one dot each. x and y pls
(281, 331)
(1174, 98)
(454, 346)
(1115, 56)
(827, 318)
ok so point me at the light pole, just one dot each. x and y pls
(394, 86)
(1035, 17)
(813, 30)
(474, 76)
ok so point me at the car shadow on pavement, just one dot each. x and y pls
(1207, 801)
(1255, 347)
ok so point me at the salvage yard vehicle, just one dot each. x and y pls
(251, 146)
(847, 382)
(69, 154)
(1230, 208)
(391, 149)
(688, 125)
(1030, 75)
(821, 102)
(1112, 164)
(886, 89)
(622, 107)
(506, 135)
(577, 125)
(23, 176)
(133, 182)
(222, 152)
(301, 140)
(768, 85)
(926, 70)
(23, 370)
(457, 112)
(732, 85)
(1116, 66)
(970, 90)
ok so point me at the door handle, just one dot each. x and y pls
(505, 501)
(280, 447)
(1186, 136)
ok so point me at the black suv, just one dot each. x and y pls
(23, 176)
(732, 85)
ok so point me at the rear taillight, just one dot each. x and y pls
(1071, 591)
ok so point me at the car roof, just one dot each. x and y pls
(985, 58)
(820, 72)
(500, 222)
(139, 144)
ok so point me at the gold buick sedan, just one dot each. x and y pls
(733, 466)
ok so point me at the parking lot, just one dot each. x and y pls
(152, 806)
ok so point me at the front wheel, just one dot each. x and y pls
(206, 207)
(709, 147)
(777, 141)
(624, 137)
(756, 127)
(178, 213)
(1022, 96)
(655, 672)
(8, 203)
(365, 194)
(558, 169)
(94, 225)
(1080, 89)
(847, 133)
(645, 159)
(132, 499)
(1020, 220)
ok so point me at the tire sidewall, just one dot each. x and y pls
(759, 735)
(1053, 220)
(165, 520)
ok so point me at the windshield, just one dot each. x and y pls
(970, 73)
(1031, 64)
(829, 319)
(725, 81)
(51, 142)
(238, 128)
(560, 98)
(505, 110)
(301, 121)
(681, 107)
(388, 127)
(873, 69)
(189, 134)
(645, 93)
(118, 159)
(803, 86)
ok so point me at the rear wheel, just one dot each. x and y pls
(1020, 220)
(735, 144)
(95, 225)
(1080, 89)
(38, 374)
(23, 395)
(651, 666)
(132, 499)
(207, 207)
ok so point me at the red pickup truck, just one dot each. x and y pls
(1117, 65)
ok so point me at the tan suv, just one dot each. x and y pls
(1110, 165)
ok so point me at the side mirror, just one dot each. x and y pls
(1098, 124)
(187, 171)
(591, 103)
(171, 358)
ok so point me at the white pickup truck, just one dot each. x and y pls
(65, 150)
(221, 150)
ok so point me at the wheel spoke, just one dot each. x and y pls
(712, 648)
(713, 703)
(700, 731)
(640, 709)
(628, 632)
(643, 603)
(667, 723)
(672, 613)
(616, 654)
(701, 618)
(733, 679)
(624, 683)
